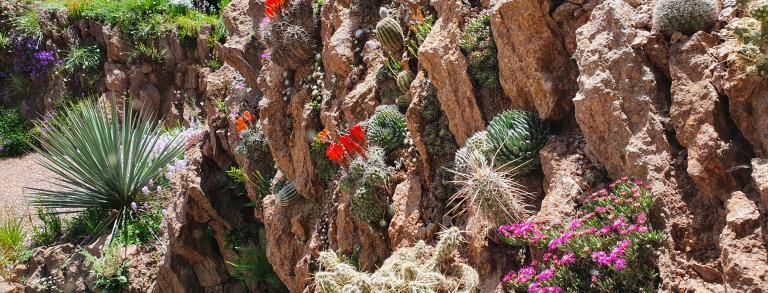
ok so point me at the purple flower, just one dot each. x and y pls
(619, 264)
(567, 259)
(559, 241)
(508, 277)
(545, 275)
(602, 258)
(575, 224)
(145, 190)
(525, 274)
(134, 206)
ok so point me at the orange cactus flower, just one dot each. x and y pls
(240, 125)
(358, 135)
(322, 136)
(273, 7)
(248, 117)
(351, 147)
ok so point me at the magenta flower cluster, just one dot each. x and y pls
(603, 248)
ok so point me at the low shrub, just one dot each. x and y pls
(12, 236)
(111, 269)
(15, 133)
(50, 230)
(605, 249)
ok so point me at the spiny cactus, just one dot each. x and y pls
(404, 80)
(364, 182)
(685, 16)
(387, 128)
(515, 138)
(475, 144)
(478, 45)
(287, 195)
(390, 34)
(489, 190)
(421, 268)
(290, 35)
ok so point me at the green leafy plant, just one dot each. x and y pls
(12, 233)
(87, 225)
(50, 231)
(606, 248)
(418, 32)
(392, 67)
(478, 45)
(144, 53)
(141, 226)
(419, 268)
(103, 159)
(215, 64)
(111, 269)
(365, 182)
(28, 25)
(15, 133)
(387, 128)
(20, 85)
(82, 58)
(685, 16)
(253, 266)
(515, 138)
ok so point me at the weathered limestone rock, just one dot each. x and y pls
(116, 77)
(534, 68)
(748, 106)
(405, 222)
(447, 68)
(242, 17)
(699, 118)
(619, 109)
(744, 256)
(760, 179)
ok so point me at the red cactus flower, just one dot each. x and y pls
(273, 7)
(358, 135)
(248, 117)
(335, 153)
(351, 147)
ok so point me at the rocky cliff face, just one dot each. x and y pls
(622, 100)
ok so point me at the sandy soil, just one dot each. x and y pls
(16, 176)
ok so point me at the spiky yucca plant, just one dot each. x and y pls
(420, 268)
(387, 128)
(102, 159)
(515, 138)
(489, 190)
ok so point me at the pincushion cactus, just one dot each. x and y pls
(685, 16)
(475, 144)
(390, 33)
(421, 268)
(363, 182)
(387, 128)
(515, 138)
(290, 34)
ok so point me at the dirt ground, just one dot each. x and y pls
(16, 176)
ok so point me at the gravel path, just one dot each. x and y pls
(16, 175)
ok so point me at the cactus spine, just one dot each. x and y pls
(291, 35)
(685, 16)
(390, 34)
(515, 138)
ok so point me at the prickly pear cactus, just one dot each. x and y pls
(390, 34)
(421, 268)
(685, 16)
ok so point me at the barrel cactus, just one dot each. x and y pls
(290, 36)
(386, 128)
(287, 195)
(390, 33)
(685, 16)
(515, 138)
(404, 80)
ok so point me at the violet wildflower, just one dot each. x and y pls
(134, 206)
(525, 274)
(145, 190)
(545, 275)
(619, 264)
